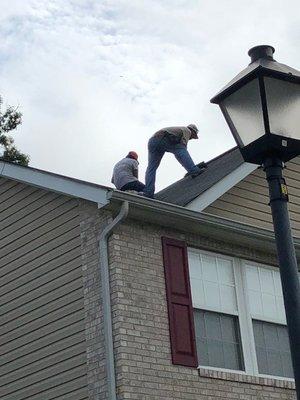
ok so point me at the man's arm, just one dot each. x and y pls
(186, 136)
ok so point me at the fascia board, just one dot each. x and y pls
(56, 183)
(212, 194)
(173, 216)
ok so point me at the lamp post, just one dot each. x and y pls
(261, 106)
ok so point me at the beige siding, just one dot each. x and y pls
(43, 351)
(247, 202)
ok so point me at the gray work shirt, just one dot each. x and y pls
(181, 132)
(125, 171)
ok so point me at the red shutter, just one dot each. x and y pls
(181, 320)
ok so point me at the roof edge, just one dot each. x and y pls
(210, 195)
(58, 183)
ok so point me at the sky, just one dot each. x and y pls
(95, 79)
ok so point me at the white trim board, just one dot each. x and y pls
(221, 187)
(57, 183)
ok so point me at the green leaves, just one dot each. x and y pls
(9, 120)
(12, 154)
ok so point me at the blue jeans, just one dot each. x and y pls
(156, 149)
(134, 185)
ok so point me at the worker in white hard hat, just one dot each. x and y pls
(173, 140)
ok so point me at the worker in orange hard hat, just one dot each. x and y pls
(125, 173)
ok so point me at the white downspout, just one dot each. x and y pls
(106, 305)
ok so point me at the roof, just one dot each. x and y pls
(205, 188)
(187, 189)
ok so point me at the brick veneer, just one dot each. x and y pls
(91, 223)
(140, 321)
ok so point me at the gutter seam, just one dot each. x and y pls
(106, 303)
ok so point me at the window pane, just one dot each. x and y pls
(266, 280)
(287, 365)
(228, 297)
(274, 362)
(252, 278)
(228, 328)
(212, 295)
(265, 293)
(197, 291)
(272, 349)
(262, 360)
(218, 340)
(215, 353)
(194, 262)
(212, 282)
(283, 338)
(225, 271)
(209, 268)
(213, 326)
(232, 359)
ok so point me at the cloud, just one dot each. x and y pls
(96, 79)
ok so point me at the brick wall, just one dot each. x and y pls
(140, 320)
(141, 331)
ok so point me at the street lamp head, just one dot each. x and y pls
(262, 107)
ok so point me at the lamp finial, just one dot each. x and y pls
(263, 51)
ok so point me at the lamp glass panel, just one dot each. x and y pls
(245, 111)
(283, 102)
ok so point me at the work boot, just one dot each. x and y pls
(194, 174)
(202, 166)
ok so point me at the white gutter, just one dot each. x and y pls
(106, 304)
(157, 209)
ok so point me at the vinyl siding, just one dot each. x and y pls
(247, 201)
(43, 351)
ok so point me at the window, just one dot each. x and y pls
(239, 315)
(215, 303)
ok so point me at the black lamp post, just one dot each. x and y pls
(262, 108)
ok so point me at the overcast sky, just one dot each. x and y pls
(96, 78)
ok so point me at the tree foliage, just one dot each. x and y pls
(10, 119)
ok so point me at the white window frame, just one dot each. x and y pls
(244, 315)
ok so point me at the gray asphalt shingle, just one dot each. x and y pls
(187, 189)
